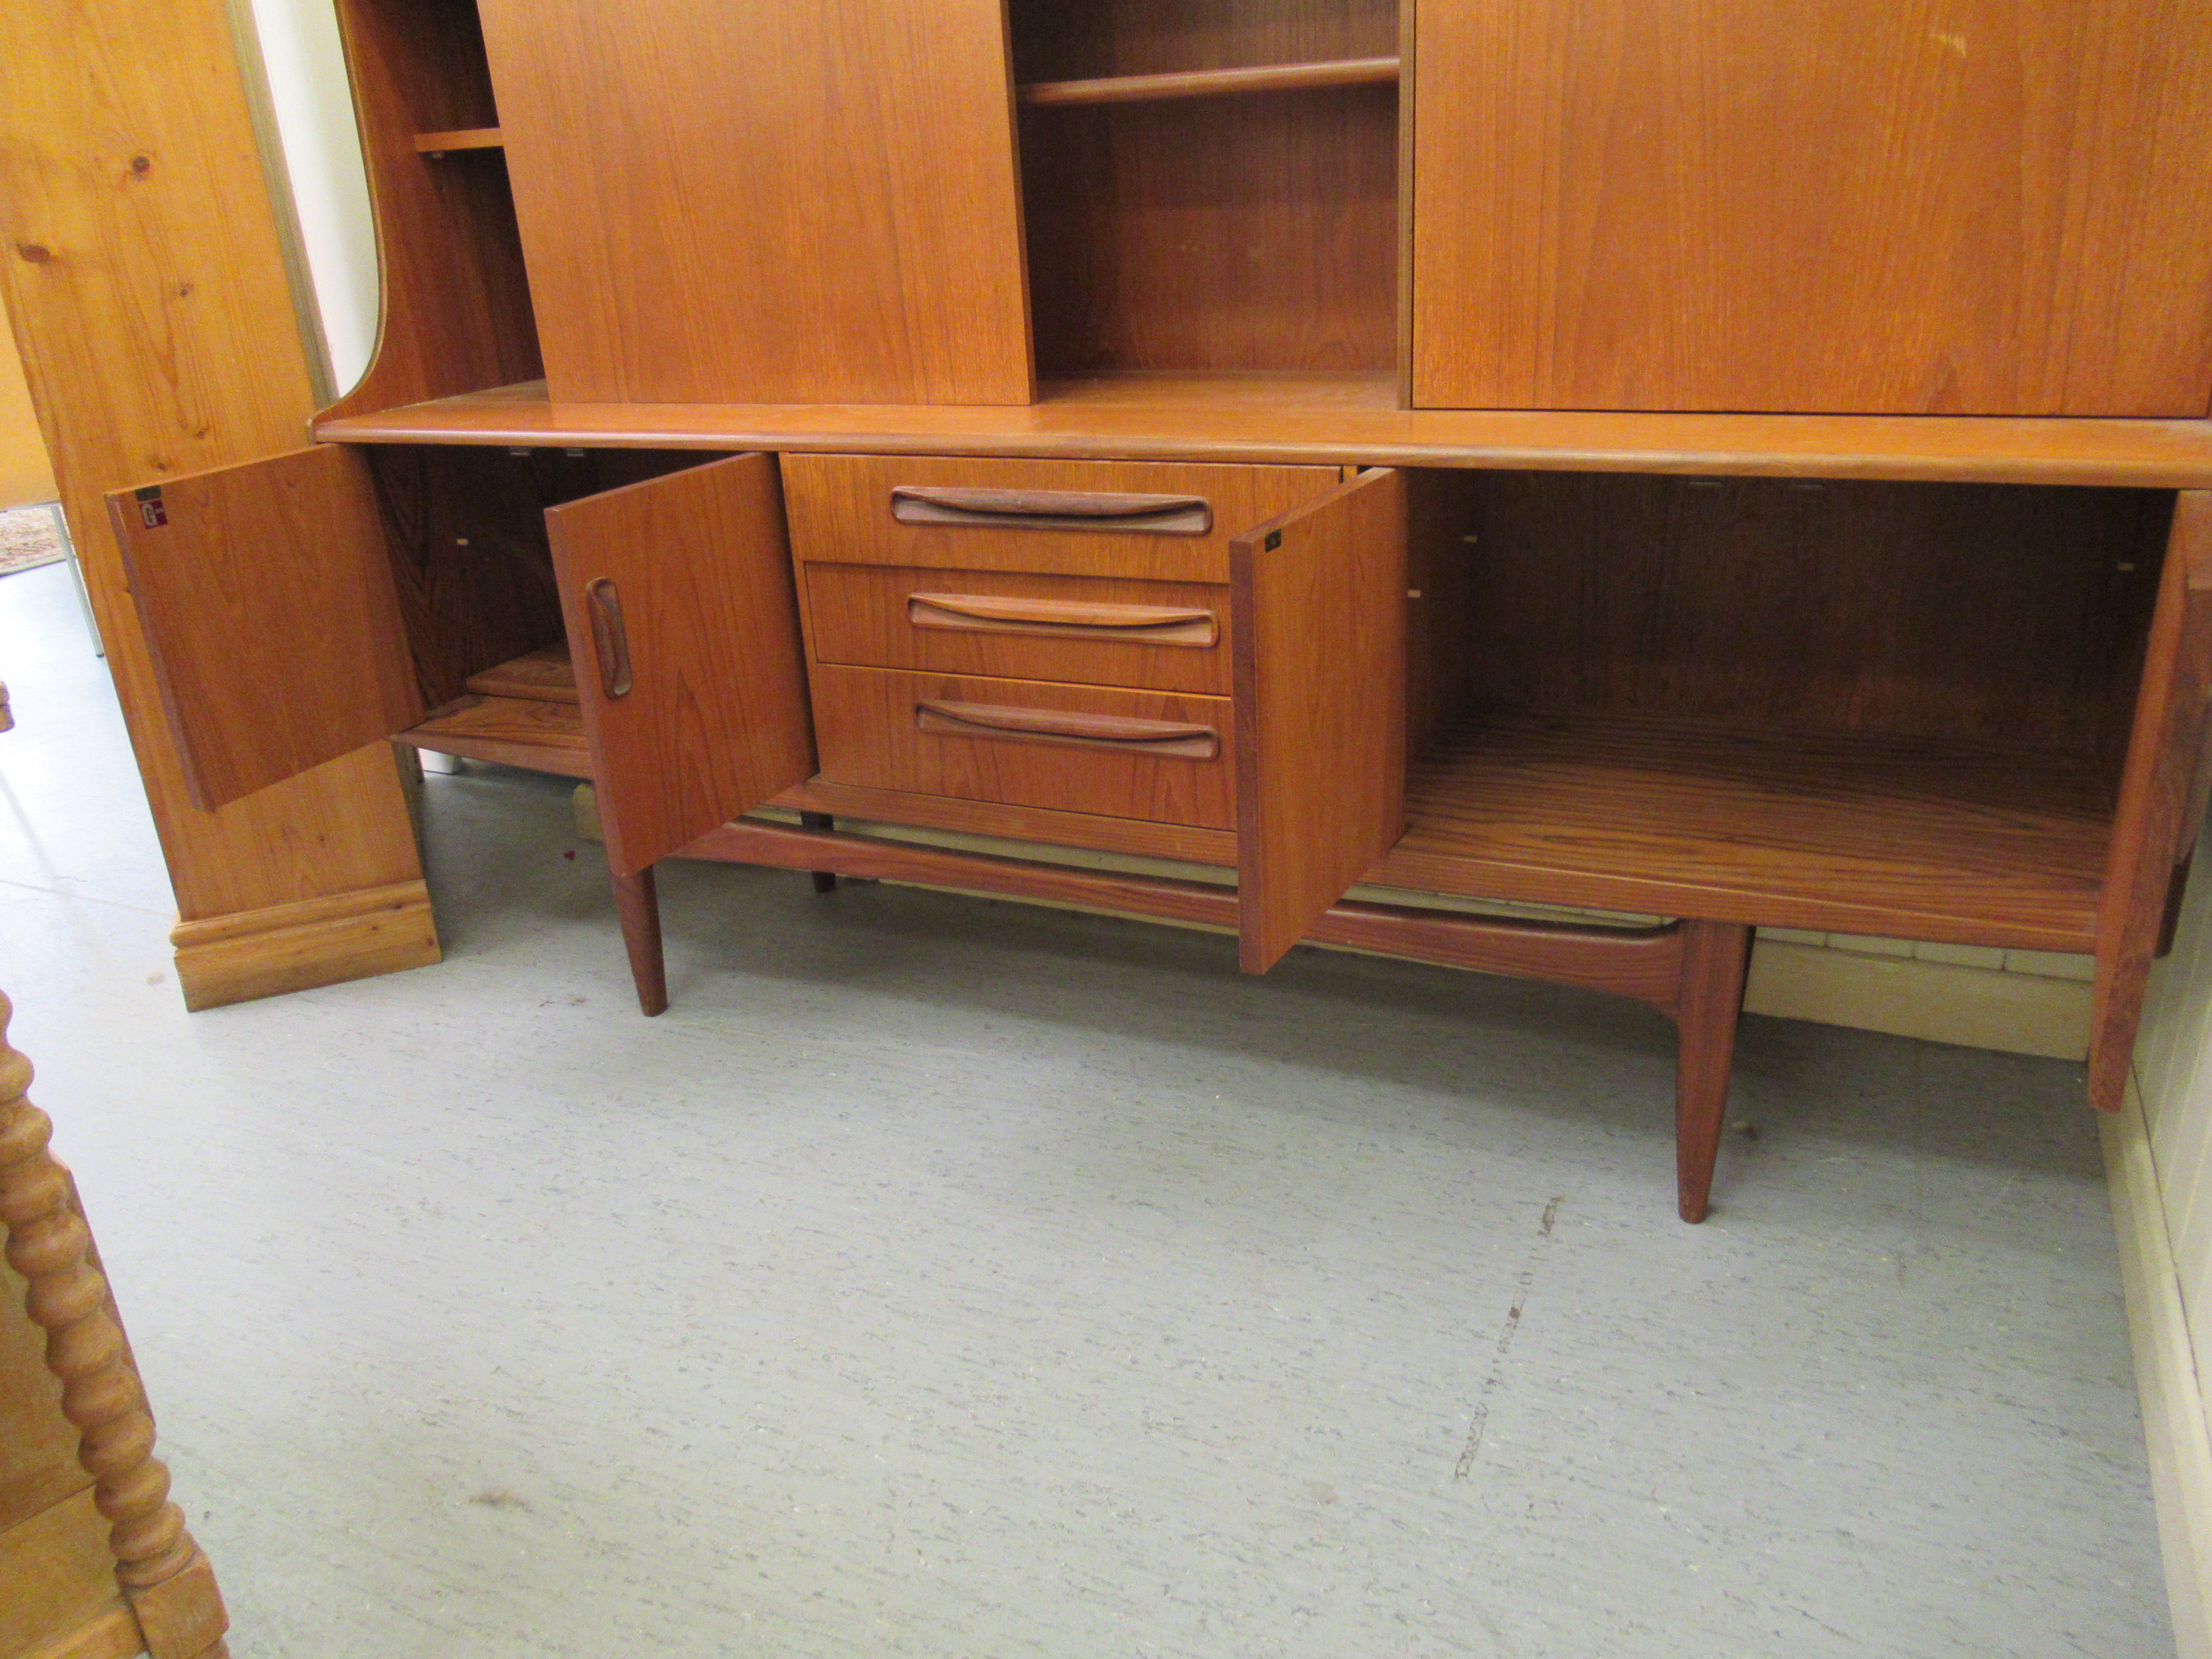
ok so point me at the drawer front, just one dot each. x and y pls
(1167, 757)
(1159, 521)
(1165, 636)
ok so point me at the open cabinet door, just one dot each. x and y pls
(1319, 598)
(2151, 830)
(682, 614)
(266, 596)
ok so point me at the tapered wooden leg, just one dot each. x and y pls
(639, 905)
(824, 880)
(1715, 955)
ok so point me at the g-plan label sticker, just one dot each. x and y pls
(150, 510)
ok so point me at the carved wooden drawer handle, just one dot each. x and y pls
(1071, 730)
(986, 613)
(609, 637)
(1052, 509)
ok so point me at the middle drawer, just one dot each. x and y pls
(1172, 636)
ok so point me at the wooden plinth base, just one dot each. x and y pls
(290, 947)
(1691, 971)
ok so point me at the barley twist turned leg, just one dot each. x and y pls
(166, 1577)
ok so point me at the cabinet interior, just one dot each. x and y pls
(465, 527)
(1916, 696)
(1253, 227)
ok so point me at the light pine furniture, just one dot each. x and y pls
(1740, 464)
(145, 280)
(95, 1561)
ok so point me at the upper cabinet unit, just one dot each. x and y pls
(1945, 207)
(759, 201)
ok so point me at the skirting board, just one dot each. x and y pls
(291, 947)
(1907, 996)
(2165, 1373)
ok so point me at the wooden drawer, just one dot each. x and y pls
(1133, 518)
(1163, 756)
(1166, 636)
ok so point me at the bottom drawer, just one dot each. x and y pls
(1166, 757)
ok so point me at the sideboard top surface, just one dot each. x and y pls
(1288, 417)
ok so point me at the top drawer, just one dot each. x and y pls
(1163, 520)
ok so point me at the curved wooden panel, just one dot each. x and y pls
(456, 306)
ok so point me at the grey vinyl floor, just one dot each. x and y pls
(943, 1277)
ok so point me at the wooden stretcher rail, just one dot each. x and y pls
(1643, 963)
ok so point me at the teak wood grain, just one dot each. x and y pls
(1214, 234)
(456, 310)
(1111, 38)
(539, 733)
(841, 511)
(1320, 607)
(438, 143)
(1041, 826)
(546, 674)
(468, 556)
(809, 202)
(1949, 840)
(1642, 964)
(1287, 419)
(1112, 734)
(1212, 83)
(882, 617)
(714, 719)
(1709, 1003)
(1987, 207)
(875, 731)
(268, 604)
(1993, 613)
(2151, 832)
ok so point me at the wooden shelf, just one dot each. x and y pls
(1213, 84)
(545, 673)
(1332, 418)
(437, 144)
(1959, 842)
(536, 733)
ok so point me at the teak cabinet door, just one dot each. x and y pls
(2161, 796)
(266, 595)
(1318, 604)
(767, 201)
(1947, 207)
(681, 620)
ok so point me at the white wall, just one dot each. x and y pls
(2173, 1068)
(313, 106)
(2162, 1201)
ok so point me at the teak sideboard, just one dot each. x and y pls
(1739, 464)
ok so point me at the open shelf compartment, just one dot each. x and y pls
(1210, 187)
